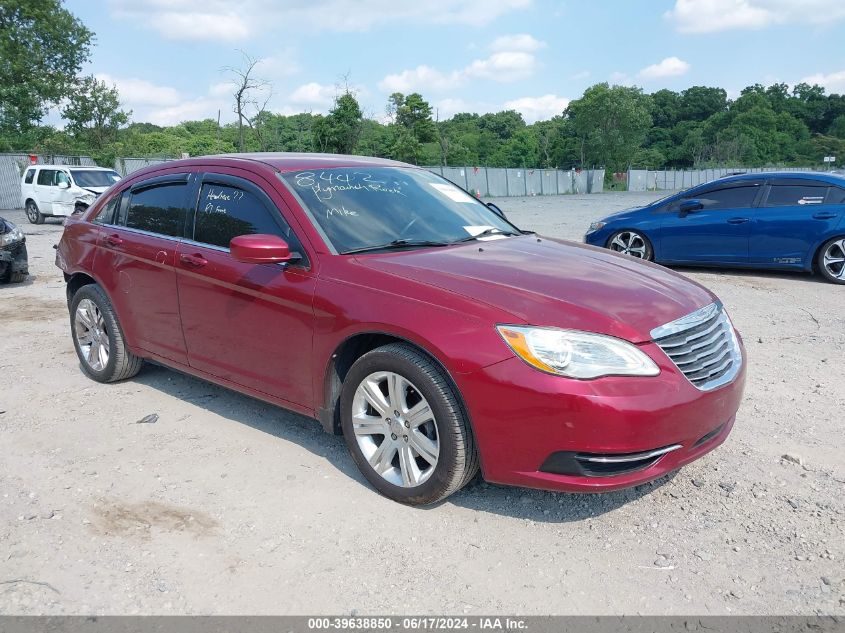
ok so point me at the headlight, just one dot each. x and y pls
(576, 354)
(595, 226)
(15, 235)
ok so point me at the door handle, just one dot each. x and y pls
(195, 261)
(737, 220)
(824, 215)
(114, 240)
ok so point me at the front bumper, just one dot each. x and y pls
(535, 429)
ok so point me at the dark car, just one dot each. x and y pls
(14, 262)
(407, 315)
(778, 220)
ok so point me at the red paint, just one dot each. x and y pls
(270, 330)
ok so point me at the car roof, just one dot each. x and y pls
(291, 161)
(74, 167)
(826, 176)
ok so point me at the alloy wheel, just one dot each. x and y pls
(629, 243)
(91, 335)
(834, 259)
(395, 429)
(31, 212)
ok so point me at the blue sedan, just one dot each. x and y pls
(775, 220)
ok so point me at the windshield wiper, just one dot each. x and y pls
(396, 244)
(485, 233)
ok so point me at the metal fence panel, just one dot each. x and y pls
(534, 182)
(477, 179)
(597, 184)
(125, 166)
(498, 182)
(673, 180)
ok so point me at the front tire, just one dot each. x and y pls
(33, 214)
(631, 243)
(405, 427)
(831, 260)
(98, 338)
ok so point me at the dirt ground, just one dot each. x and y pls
(226, 505)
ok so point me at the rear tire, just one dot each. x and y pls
(425, 453)
(33, 214)
(98, 338)
(831, 260)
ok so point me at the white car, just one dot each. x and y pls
(62, 190)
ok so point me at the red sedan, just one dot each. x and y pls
(400, 311)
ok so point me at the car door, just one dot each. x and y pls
(136, 261)
(716, 232)
(251, 324)
(63, 199)
(46, 190)
(791, 219)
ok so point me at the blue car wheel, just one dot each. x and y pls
(831, 260)
(631, 243)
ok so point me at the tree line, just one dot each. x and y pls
(43, 47)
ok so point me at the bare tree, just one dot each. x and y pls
(251, 97)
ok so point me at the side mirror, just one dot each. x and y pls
(496, 209)
(690, 206)
(63, 184)
(261, 249)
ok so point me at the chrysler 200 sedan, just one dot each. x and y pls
(777, 220)
(403, 313)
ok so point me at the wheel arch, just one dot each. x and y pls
(75, 281)
(344, 356)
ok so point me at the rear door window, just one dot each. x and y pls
(790, 195)
(158, 209)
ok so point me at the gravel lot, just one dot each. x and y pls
(227, 505)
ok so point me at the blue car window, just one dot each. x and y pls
(730, 198)
(789, 195)
(836, 195)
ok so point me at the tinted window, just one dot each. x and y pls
(836, 196)
(46, 176)
(225, 212)
(158, 209)
(29, 174)
(106, 216)
(732, 198)
(788, 195)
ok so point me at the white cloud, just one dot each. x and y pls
(217, 20)
(134, 92)
(833, 82)
(421, 78)
(520, 42)
(313, 94)
(669, 67)
(620, 79)
(710, 16)
(581, 74)
(504, 66)
(538, 108)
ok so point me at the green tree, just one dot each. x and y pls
(42, 47)
(611, 124)
(93, 113)
(338, 132)
(699, 103)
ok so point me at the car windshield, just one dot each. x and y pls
(94, 178)
(366, 207)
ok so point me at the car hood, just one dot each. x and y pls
(552, 282)
(97, 190)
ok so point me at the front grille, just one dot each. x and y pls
(703, 345)
(14, 248)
